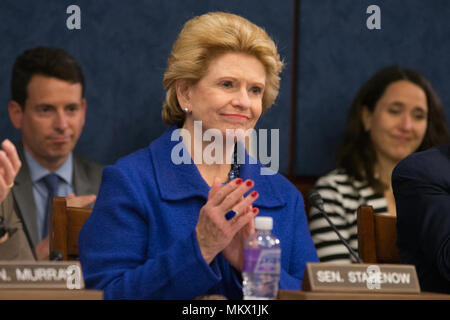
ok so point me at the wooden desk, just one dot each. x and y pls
(50, 294)
(308, 295)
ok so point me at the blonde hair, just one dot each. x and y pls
(204, 38)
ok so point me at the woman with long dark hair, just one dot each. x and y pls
(395, 113)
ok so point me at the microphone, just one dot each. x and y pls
(56, 255)
(316, 201)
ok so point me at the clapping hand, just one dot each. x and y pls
(215, 233)
(9, 167)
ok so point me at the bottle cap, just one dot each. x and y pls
(263, 223)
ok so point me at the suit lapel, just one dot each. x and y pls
(80, 180)
(24, 199)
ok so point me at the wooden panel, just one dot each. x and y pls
(58, 226)
(366, 235)
(386, 239)
(377, 237)
(302, 295)
(66, 225)
(76, 219)
(50, 294)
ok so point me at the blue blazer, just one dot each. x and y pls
(140, 240)
(421, 185)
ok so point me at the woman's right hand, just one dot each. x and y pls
(214, 231)
(9, 167)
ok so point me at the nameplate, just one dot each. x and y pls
(41, 275)
(382, 278)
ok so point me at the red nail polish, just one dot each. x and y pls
(249, 183)
(254, 194)
(255, 210)
(238, 181)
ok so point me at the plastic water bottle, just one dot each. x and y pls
(262, 259)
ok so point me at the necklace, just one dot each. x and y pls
(235, 167)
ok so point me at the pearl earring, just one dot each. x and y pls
(186, 110)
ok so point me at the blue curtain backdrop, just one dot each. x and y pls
(338, 53)
(123, 48)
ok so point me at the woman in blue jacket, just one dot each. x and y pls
(170, 220)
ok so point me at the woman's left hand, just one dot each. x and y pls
(234, 252)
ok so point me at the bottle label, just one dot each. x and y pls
(262, 260)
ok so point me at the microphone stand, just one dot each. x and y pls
(316, 202)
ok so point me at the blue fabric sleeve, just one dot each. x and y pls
(113, 248)
(302, 252)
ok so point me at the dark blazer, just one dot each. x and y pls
(421, 185)
(86, 180)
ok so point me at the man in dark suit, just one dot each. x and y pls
(421, 185)
(49, 108)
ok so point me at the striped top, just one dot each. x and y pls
(341, 196)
